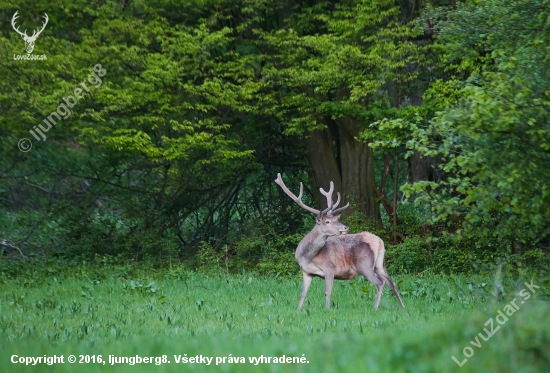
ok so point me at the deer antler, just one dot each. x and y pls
(338, 211)
(43, 27)
(23, 34)
(298, 199)
(330, 209)
(328, 195)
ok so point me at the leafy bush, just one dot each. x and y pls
(270, 253)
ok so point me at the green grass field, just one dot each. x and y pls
(127, 312)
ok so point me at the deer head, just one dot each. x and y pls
(29, 40)
(327, 219)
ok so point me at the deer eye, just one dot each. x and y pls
(327, 222)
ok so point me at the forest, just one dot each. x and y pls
(141, 141)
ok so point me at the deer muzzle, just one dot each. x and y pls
(344, 230)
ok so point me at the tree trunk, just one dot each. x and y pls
(322, 159)
(418, 167)
(336, 155)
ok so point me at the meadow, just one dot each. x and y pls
(128, 311)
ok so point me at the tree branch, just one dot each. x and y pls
(11, 246)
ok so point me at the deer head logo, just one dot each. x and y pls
(29, 40)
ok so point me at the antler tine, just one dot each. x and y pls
(298, 199)
(330, 210)
(339, 211)
(337, 201)
(329, 197)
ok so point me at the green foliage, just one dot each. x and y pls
(339, 73)
(433, 246)
(494, 139)
(446, 254)
(149, 219)
(158, 147)
(195, 107)
(269, 254)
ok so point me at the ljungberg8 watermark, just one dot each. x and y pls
(501, 318)
(63, 110)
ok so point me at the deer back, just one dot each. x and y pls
(345, 253)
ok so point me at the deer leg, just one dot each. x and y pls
(305, 287)
(377, 281)
(329, 280)
(381, 271)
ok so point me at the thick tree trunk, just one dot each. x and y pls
(322, 159)
(357, 163)
(418, 167)
(337, 156)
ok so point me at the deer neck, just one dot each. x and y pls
(310, 245)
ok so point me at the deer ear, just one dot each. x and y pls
(336, 217)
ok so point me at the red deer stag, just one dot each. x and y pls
(328, 251)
